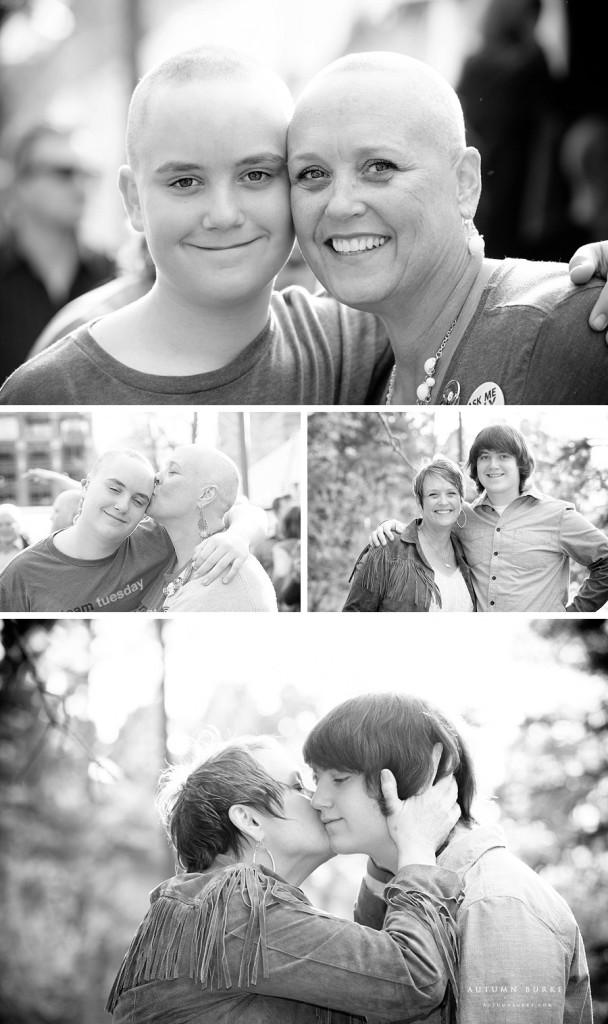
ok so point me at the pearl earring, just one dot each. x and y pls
(475, 242)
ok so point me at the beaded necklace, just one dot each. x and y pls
(424, 390)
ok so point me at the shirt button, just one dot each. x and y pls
(493, 577)
(496, 552)
(498, 529)
(491, 602)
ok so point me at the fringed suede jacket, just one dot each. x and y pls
(397, 577)
(238, 943)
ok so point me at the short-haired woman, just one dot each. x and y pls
(423, 569)
(233, 939)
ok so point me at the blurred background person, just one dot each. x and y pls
(13, 537)
(263, 550)
(286, 561)
(64, 509)
(43, 262)
(508, 96)
(135, 276)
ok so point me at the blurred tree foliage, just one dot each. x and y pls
(69, 839)
(555, 802)
(360, 472)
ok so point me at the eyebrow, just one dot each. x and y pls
(384, 148)
(179, 167)
(115, 480)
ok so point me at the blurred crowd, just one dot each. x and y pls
(543, 138)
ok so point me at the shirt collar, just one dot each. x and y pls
(463, 852)
(529, 491)
(410, 533)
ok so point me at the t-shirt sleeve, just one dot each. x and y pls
(569, 362)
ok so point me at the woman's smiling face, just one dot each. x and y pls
(441, 501)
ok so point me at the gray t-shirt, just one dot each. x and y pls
(530, 337)
(43, 579)
(313, 351)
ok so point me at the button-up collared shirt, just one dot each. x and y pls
(522, 958)
(520, 560)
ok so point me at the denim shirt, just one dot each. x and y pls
(521, 953)
(240, 944)
(397, 577)
(520, 560)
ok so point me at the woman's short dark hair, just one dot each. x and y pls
(444, 468)
(501, 438)
(193, 803)
(396, 731)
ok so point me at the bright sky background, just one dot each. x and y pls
(493, 666)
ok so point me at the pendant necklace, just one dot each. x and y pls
(448, 565)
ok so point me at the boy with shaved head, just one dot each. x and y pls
(207, 184)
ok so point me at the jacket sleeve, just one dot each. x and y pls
(514, 966)
(588, 546)
(283, 947)
(364, 598)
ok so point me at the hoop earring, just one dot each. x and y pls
(462, 525)
(260, 846)
(475, 242)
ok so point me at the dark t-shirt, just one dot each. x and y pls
(43, 579)
(25, 305)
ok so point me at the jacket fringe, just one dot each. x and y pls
(390, 577)
(171, 924)
(445, 933)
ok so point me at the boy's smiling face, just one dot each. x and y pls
(210, 189)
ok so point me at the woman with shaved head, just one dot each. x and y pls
(384, 192)
(194, 490)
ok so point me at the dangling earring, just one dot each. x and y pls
(462, 525)
(260, 846)
(80, 503)
(475, 242)
(202, 526)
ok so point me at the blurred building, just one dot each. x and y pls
(57, 441)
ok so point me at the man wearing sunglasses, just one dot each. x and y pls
(43, 263)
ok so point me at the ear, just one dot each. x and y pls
(127, 187)
(247, 821)
(207, 495)
(469, 182)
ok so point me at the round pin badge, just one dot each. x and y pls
(487, 394)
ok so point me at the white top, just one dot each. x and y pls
(251, 590)
(455, 596)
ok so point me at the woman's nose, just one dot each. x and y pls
(344, 200)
